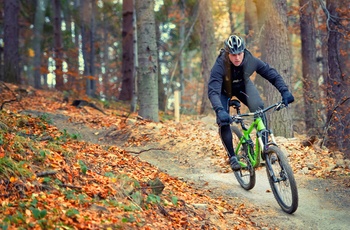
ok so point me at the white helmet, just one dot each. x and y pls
(234, 44)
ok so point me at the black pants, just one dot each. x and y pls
(248, 94)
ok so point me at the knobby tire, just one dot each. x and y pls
(246, 177)
(285, 190)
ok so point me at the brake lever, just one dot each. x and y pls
(279, 106)
(236, 119)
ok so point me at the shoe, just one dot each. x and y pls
(234, 164)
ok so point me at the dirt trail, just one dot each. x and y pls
(323, 204)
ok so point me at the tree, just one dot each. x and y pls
(338, 84)
(128, 51)
(251, 23)
(311, 88)
(182, 6)
(70, 43)
(147, 60)
(11, 42)
(91, 81)
(133, 104)
(38, 30)
(275, 49)
(87, 26)
(230, 15)
(208, 49)
(161, 86)
(58, 44)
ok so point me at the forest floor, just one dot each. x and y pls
(191, 152)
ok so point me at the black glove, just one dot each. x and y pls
(287, 97)
(223, 117)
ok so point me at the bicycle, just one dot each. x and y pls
(279, 172)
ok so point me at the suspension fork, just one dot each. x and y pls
(260, 128)
(260, 141)
(271, 172)
(275, 178)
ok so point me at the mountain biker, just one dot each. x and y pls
(230, 76)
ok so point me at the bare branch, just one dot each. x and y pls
(12, 100)
(329, 120)
(334, 19)
(5, 102)
(46, 173)
(145, 150)
(69, 186)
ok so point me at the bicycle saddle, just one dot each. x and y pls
(235, 103)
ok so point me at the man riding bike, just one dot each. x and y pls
(230, 76)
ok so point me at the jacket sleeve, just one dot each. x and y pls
(271, 75)
(215, 82)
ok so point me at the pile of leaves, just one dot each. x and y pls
(51, 179)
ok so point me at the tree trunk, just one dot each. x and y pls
(338, 101)
(73, 83)
(147, 58)
(128, 51)
(106, 76)
(276, 52)
(208, 49)
(134, 99)
(182, 4)
(311, 88)
(161, 87)
(85, 42)
(230, 16)
(251, 28)
(91, 90)
(72, 53)
(37, 41)
(11, 42)
(58, 44)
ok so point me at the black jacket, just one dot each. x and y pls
(250, 64)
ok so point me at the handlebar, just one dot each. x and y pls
(239, 117)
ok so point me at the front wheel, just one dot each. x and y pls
(246, 176)
(281, 179)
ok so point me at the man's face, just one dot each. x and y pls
(236, 59)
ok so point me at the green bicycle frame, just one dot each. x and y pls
(254, 156)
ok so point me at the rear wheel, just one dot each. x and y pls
(246, 176)
(281, 179)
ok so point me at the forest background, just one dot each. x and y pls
(118, 167)
(142, 51)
